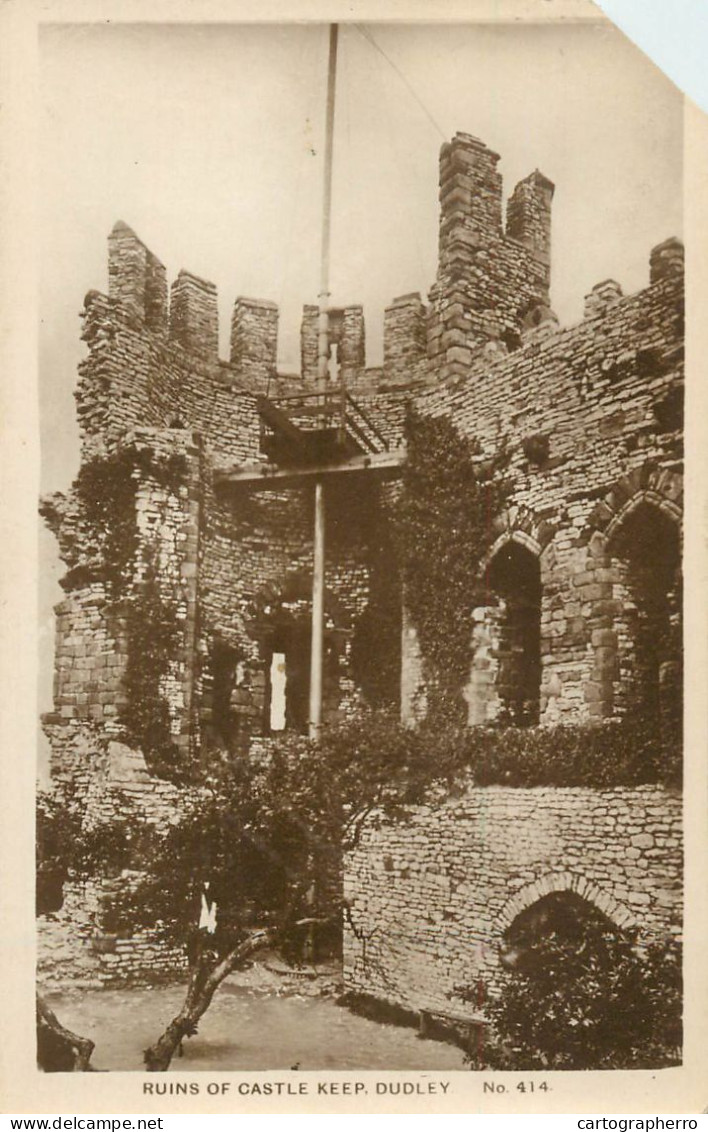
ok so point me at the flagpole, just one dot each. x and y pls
(318, 571)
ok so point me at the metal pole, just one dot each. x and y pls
(318, 579)
(324, 295)
(318, 567)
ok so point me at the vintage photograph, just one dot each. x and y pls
(361, 405)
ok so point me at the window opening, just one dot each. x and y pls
(647, 559)
(278, 691)
(514, 576)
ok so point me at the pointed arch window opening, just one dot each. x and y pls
(645, 554)
(506, 665)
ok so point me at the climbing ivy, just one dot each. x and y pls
(443, 528)
(376, 641)
(105, 489)
(152, 632)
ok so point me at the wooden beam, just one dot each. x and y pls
(279, 422)
(386, 464)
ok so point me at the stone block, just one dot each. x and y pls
(458, 355)
(643, 841)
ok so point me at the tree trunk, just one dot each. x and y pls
(206, 976)
(58, 1050)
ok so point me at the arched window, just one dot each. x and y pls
(646, 557)
(514, 584)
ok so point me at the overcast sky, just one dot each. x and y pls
(207, 140)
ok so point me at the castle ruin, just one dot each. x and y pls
(188, 540)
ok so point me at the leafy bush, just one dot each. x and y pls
(598, 1005)
(615, 753)
(58, 823)
(269, 838)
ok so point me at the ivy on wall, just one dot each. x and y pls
(376, 639)
(105, 490)
(152, 637)
(443, 528)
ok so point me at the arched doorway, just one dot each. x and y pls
(580, 994)
(558, 920)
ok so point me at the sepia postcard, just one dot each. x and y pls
(354, 564)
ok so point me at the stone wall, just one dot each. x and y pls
(133, 378)
(593, 421)
(255, 581)
(405, 340)
(112, 782)
(591, 416)
(431, 897)
(74, 948)
(162, 519)
(90, 660)
(490, 281)
(153, 380)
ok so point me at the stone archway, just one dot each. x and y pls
(645, 553)
(637, 535)
(520, 524)
(648, 484)
(529, 894)
(560, 917)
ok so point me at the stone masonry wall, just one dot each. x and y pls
(592, 417)
(133, 378)
(591, 414)
(91, 641)
(152, 379)
(73, 948)
(256, 580)
(405, 340)
(431, 897)
(489, 281)
(112, 782)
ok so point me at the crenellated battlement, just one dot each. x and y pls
(254, 339)
(528, 215)
(666, 260)
(347, 338)
(489, 280)
(138, 283)
(405, 339)
(470, 196)
(136, 278)
(154, 354)
(490, 296)
(194, 315)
